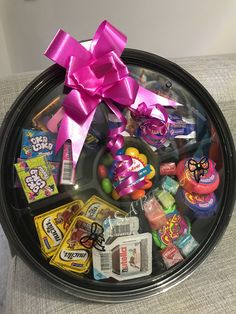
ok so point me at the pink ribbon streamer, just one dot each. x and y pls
(98, 74)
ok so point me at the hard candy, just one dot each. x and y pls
(106, 185)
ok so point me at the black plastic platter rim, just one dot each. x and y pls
(82, 287)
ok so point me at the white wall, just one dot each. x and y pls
(5, 67)
(166, 27)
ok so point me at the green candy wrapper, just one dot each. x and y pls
(36, 178)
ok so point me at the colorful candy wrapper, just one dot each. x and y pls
(36, 143)
(183, 128)
(125, 258)
(98, 210)
(175, 227)
(154, 213)
(52, 225)
(72, 254)
(54, 167)
(36, 178)
(187, 244)
(170, 185)
(171, 256)
(166, 199)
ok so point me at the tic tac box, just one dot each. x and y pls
(36, 143)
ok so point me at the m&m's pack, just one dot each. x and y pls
(128, 208)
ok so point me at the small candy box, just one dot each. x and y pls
(98, 210)
(125, 258)
(187, 244)
(74, 252)
(171, 256)
(52, 225)
(154, 213)
(54, 168)
(36, 178)
(36, 143)
(170, 185)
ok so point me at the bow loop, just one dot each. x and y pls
(63, 46)
(123, 92)
(78, 105)
(106, 39)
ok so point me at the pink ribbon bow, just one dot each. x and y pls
(98, 74)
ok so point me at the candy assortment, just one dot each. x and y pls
(109, 178)
(94, 231)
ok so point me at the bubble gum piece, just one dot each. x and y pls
(171, 256)
(170, 185)
(148, 184)
(166, 199)
(187, 244)
(168, 169)
(154, 213)
(143, 158)
(115, 195)
(132, 151)
(137, 194)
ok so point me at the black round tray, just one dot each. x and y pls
(17, 217)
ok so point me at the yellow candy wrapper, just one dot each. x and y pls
(72, 254)
(52, 225)
(86, 231)
(98, 210)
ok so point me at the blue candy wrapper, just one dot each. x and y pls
(187, 244)
(36, 143)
